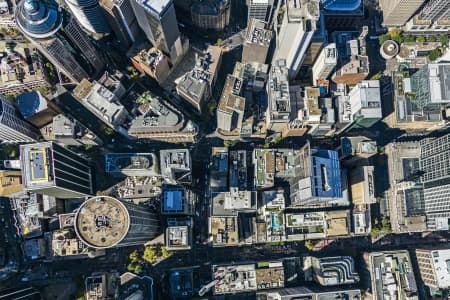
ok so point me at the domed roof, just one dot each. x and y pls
(38, 19)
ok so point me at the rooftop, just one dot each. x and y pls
(66, 243)
(278, 88)
(30, 103)
(234, 279)
(392, 275)
(178, 237)
(131, 163)
(37, 164)
(101, 100)
(175, 200)
(27, 209)
(257, 34)
(157, 7)
(175, 164)
(230, 99)
(102, 222)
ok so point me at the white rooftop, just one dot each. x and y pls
(155, 6)
(441, 259)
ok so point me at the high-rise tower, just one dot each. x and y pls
(90, 15)
(294, 34)
(259, 9)
(158, 21)
(50, 169)
(397, 12)
(105, 222)
(13, 128)
(58, 38)
(122, 20)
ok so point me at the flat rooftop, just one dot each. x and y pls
(178, 236)
(230, 99)
(102, 222)
(116, 162)
(234, 279)
(224, 231)
(257, 34)
(37, 164)
(155, 6)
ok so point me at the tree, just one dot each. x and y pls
(383, 38)
(219, 42)
(420, 39)
(377, 76)
(150, 255)
(432, 38)
(409, 39)
(309, 245)
(138, 269)
(444, 40)
(10, 150)
(395, 33)
(165, 253)
(44, 90)
(134, 256)
(434, 54)
(226, 143)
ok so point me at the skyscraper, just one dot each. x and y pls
(434, 164)
(105, 222)
(122, 20)
(434, 267)
(90, 15)
(435, 10)
(158, 21)
(58, 38)
(341, 5)
(434, 16)
(397, 12)
(325, 63)
(50, 169)
(259, 9)
(13, 128)
(295, 32)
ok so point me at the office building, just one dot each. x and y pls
(104, 222)
(397, 12)
(81, 41)
(158, 21)
(434, 267)
(434, 161)
(231, 107)
(101, 286)
(89, 15)
(211, 14)
(10, 182)
(36, 109)
(308, 293)
(259, 9)
(331, 271)
(176, 200)
(295, 32)
(132, 164)
(232, 279)
(257, 42)
(121, 19)
(179, 234)
(278, 112)
(50, 169)
(69, 131)
(102, 102)
(325, 63)
(176, 165)
(431, 88)
(433, 17)
(392, 275)
(65, 244)
(158, 120)
(59, 38)
(13, 128)
(153, 63)
(354, 66)
(341, 5)
(361, 106)
(196, 86)
(21, 68)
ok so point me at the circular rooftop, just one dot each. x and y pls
(38, 19)
(102, 222)
(389, 49)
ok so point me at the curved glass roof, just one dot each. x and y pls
(38, 19)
